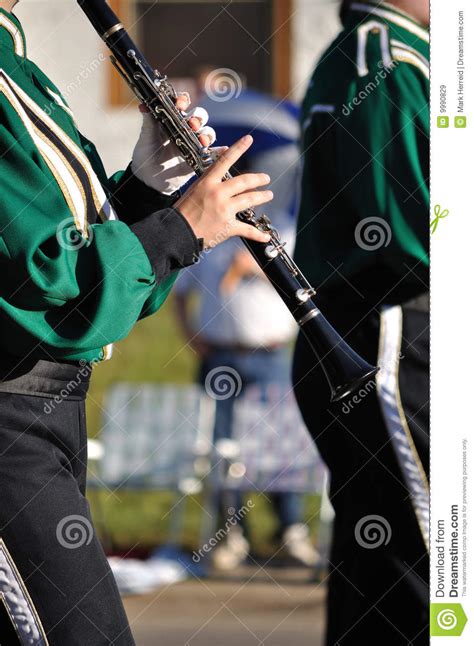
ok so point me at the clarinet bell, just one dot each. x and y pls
(345, 370)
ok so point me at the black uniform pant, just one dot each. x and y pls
(378, 582)
(55, 583)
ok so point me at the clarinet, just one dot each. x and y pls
(344, 369)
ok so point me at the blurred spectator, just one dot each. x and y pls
(241, 322)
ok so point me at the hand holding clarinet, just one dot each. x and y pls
(217, 209)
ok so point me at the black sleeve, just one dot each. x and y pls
(168, 240)
(133, 200)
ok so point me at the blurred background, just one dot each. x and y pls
(166, 484)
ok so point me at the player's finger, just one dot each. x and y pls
(207, 136)
(249, 200)
(248, 231)
(198, 118)
(183, 101)
(246, 182)
(217, 151)
(229, 158)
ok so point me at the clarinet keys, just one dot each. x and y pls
(303, 295)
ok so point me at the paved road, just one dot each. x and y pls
(268, 607)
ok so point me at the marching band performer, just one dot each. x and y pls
(363, 243)
(82, 258)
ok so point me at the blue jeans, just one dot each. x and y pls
(263, 368)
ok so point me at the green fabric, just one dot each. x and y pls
(55, 301)
(366, 155)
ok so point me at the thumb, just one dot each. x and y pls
(249, 232)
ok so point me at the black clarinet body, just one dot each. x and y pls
(345, 370)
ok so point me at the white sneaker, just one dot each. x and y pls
(298, 545)
(232, 552)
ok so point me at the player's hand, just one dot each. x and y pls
(156, 160)
(210, 205)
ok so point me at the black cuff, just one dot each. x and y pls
(133, 200)
(168, 240)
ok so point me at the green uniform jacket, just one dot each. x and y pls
(74, 277)
(363, 229)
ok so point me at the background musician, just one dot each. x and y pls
(363, 242)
